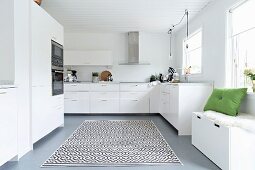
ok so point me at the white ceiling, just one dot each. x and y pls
(121, 15)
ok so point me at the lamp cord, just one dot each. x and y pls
(170, 31)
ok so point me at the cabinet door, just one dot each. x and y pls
(95, 58)
(41, 46)
(41, 112)
(134, 102)
(56, 31)
(173, 114)
(77, 102)
(164, 104)
(8, 125)
(104, 105)
(78, 87)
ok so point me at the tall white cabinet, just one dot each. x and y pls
(47, 110)
(8, 125)
(178, 101)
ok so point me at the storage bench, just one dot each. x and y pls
(224, 139)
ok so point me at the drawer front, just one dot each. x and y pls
(77, 106)
(104, 106)
(137, 87)
(104, 95)
(98, 87)
(77, 95)
(212, 140)
(134, 106)
(76, 87)
(133, 95)
(165, 88)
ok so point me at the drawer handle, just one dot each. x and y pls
(104, 100)
(3, 92)
(74, 85)
(135, 100)
(104, 85)
(74, 100)
(198, 117)
(218, 126)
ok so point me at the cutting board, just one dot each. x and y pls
(104, 75)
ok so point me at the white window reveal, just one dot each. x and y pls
(242, 46)
(192, 53)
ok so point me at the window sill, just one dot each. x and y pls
(250, 94)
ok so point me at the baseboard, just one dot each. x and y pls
(111, 114)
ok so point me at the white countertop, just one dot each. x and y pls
(5, 84)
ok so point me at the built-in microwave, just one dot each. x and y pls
(57, 69)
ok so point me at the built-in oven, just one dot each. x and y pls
(57, 69)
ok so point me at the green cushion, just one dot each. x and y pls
(226, 101)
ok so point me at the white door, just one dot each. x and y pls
(8, 125)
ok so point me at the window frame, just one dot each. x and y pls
(231, 60)
(184, 57)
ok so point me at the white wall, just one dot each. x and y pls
(154, 48)
(7, 40)
(213, 21)
(22, 73)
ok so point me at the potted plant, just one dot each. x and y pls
(251, 74)
(95, 78)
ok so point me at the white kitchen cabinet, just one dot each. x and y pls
(76, 87)
(104, 87)
(134, 87)
(155, 99)
(135, 98)
(8, 125)
(178, 101)
(47, 110)
(93, 58)
(134, 102)
(77, 102)
(43, 30)
(104, 102)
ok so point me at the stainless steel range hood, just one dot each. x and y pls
(134, 50)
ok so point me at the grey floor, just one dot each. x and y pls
(191, 158)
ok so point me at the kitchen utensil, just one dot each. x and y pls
(105, 75)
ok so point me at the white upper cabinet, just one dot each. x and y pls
(93, 58)
(43, 29)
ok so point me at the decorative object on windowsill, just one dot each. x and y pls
(251, 74)
(170, 31)
(187, 73)
(38, 2)
(95, 78)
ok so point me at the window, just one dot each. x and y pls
(192, 55)
(242, 37)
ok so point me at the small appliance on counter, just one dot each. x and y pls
(71, 76)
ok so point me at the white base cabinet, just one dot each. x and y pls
(230, 148)
(178, 101)
(47, 110)
(8, 125)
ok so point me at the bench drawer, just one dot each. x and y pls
(211, 139)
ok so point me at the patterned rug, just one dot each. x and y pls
(114, 143)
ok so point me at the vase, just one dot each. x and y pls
(253, 86)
